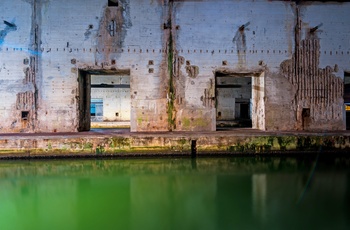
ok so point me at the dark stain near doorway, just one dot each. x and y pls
(241, 44)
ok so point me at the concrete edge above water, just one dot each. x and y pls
(123, 143)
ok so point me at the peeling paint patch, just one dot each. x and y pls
(192, 71)
(317, 90)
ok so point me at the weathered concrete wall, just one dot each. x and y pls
(242, 38)
(17, 66)
(296, 55)
(92, 36)
(142, 144)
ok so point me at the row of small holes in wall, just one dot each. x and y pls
(163, 51)
(107, 50)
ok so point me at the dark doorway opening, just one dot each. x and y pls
(305, 114)
(244, 111)
(233, 101)
(104, 99)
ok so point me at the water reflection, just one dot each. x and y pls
(202, 193)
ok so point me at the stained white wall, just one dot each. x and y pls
(66, 36)
(15, 47)
(73, 36)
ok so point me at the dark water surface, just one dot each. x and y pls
(176, 193)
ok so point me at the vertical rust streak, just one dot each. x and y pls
(316, 87)
(302, 72)
(25, 101)
(293, 71)
(307, 71)
(309, 67)
(297, 51)
(327, 90)
(342, 89)
(322, 88)
(329, 86)
(300, 66)
(305, 76)
(314, 70)
(311, 74)
(333, 90)
(338, 89)
(316, 74)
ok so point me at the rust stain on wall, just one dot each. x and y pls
(25, 101)
(112, 29)
(317, 90)
(25, 105)
(30, 72)
(209, 95)
(313, 84)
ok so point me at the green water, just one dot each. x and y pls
(168, 193)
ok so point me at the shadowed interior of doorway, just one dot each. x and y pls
(233, 101)
(239, 98)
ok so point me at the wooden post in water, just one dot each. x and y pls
(193, 148)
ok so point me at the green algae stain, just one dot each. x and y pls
(182, 144)
(264, 145)
(186, 122)
(119, 142)
(100, 149)
(200, 122)
(87, 146)
(49, 146)
(193, 123)
(171, 90)
(286, 142)
(139, 121)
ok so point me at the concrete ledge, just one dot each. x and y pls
(123, 143)
(109, 125)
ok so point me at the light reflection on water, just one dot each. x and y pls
(168, 193)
